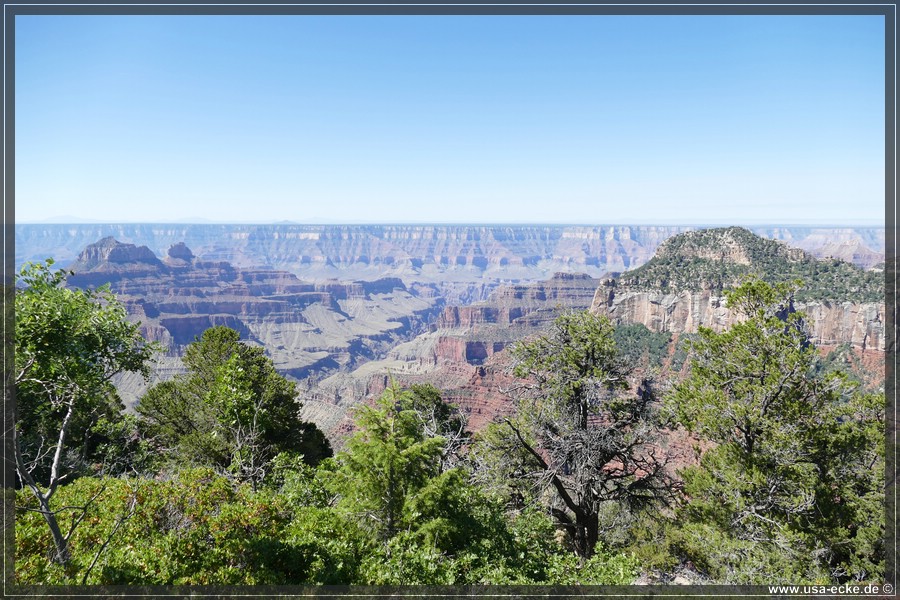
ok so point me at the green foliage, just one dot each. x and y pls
(844, 359)
(698, 259)
(789, 487)
(117, 447)
(579, 349)
(437, 419)
(639, 346)
(69, 343)
(502, 464)
(682, 349)
(300, 483)
(333, 547)
(194, 529)
(231, 411)
(430, 524)
(522, 550)
(386, 465)
(651, 539)
(68, 346)
(792, 490)
(539, 555)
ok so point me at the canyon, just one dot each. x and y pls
(442, 253)
(465, 354)
(305, 327)
(344, 310)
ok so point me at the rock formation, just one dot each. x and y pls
(681, 288)
(433, 253)
(305, 327)
(830, 323)
(463, 354)
(440, 304)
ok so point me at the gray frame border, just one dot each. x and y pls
(372, 7)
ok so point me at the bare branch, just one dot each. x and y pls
(129, 512)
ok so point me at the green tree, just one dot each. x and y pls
(231, 411)
(69, 344)
(639, 346)
(793, 488)
(386, 465)
(430, 524)
(583, 436)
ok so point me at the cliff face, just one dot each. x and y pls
(523, 305)
(421, 304)
(462, 354)
(830, 323)
(861, 246)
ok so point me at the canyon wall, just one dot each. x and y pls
(344, 309)
(443, 253)
(682, 288)
(677, 291)
(829, 323)
(463, 354)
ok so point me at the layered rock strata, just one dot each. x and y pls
(436, 253)
(305, 327)
(829, 323)
(463, 354)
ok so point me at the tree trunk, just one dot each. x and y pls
(62, 545)
(587, 527)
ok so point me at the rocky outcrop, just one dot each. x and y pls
(350, 322)
(108, 253)
(179, 255)
(109, 260)
(458, 350)
(463, 354)
(526, 305)
(861, 246)
(859, 325)
(681, 288)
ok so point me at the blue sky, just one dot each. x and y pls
(516, 119)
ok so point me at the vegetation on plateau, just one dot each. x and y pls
(217, 480)
(718, 259)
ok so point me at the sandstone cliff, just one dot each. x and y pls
(830, 323)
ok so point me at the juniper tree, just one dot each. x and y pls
(793, 487)
(580, 434)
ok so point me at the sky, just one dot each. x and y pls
(450, 119)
